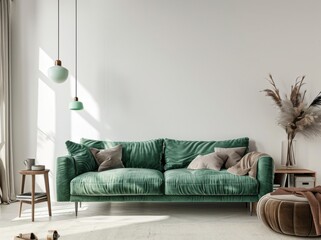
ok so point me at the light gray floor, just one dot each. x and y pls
(137, 221)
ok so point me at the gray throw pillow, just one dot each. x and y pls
(213, 161)
(234, 155)
(108, 158)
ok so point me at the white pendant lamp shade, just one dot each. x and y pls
(58, 73)
(75, 104)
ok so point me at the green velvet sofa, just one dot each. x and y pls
(155, 171)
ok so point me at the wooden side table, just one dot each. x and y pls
(282, 176)
(33, 200)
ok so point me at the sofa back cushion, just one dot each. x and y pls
(144, 154)
(179, 154)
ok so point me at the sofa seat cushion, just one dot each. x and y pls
(208, 182)
(121, 181)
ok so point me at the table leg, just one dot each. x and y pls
(21, 191)
(33, 198)
(48, 193)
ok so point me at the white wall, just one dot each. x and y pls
(182, 69)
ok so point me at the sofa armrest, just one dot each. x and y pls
(65, 172)
(265, 175)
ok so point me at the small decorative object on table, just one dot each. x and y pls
(38, 167)
(29, 163)
(295, 115)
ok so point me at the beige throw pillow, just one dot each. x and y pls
(234, 155)
(213, 161)
(108, 158)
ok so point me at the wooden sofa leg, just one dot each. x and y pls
(80, 204)
(76, 208)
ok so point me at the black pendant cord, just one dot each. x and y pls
(76, 48)
(58, 28)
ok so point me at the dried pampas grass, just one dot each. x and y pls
(295, 115)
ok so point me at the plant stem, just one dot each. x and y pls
(290, 161)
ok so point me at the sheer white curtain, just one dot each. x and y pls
(7, 192)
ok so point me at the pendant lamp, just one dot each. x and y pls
(75, 104)
(58, 73)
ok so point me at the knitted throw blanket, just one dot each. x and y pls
(247, 165)
(313, 195)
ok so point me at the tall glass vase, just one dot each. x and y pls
(288, 153)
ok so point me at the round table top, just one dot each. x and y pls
(33, 172)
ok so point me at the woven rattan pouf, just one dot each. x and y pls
(287, 214)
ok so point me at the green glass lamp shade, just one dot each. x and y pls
(58, 73)
(76, 105)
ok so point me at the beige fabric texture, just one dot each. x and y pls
(213, 161)
(108, 158)
(7, 190)
(247, 165)
(234, 155)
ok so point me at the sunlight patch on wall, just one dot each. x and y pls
(90, 104)
(80, 127)
(85, 123)
(45, 62)
(46, 127)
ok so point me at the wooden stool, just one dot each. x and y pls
(33, 200)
